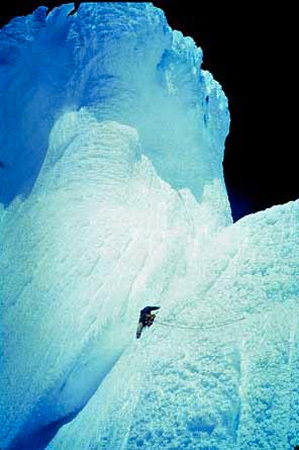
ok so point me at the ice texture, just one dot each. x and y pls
(112, 140)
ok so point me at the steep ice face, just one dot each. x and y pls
(125, 64)
(116, 200)
(220, 369)
(128, 130)
(99, 235)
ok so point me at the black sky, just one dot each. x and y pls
(249, 49)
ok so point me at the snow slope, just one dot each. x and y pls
(114, 198)
(221, 370)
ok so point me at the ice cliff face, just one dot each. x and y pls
(112, 142)
(123, 63)
(221, 370)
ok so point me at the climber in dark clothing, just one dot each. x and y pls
(146, 318)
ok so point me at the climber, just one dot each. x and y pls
(146, 319)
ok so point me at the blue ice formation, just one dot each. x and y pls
(112, 140)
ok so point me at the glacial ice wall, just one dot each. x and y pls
(125, 64)
(112, 140)
(221, 370)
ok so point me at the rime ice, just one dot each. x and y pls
(112, 140)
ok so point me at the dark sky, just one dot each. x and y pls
(250, 51)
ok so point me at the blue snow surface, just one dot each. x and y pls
(113, 198)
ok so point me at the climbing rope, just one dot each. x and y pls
(201, 328)
(218, 325)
